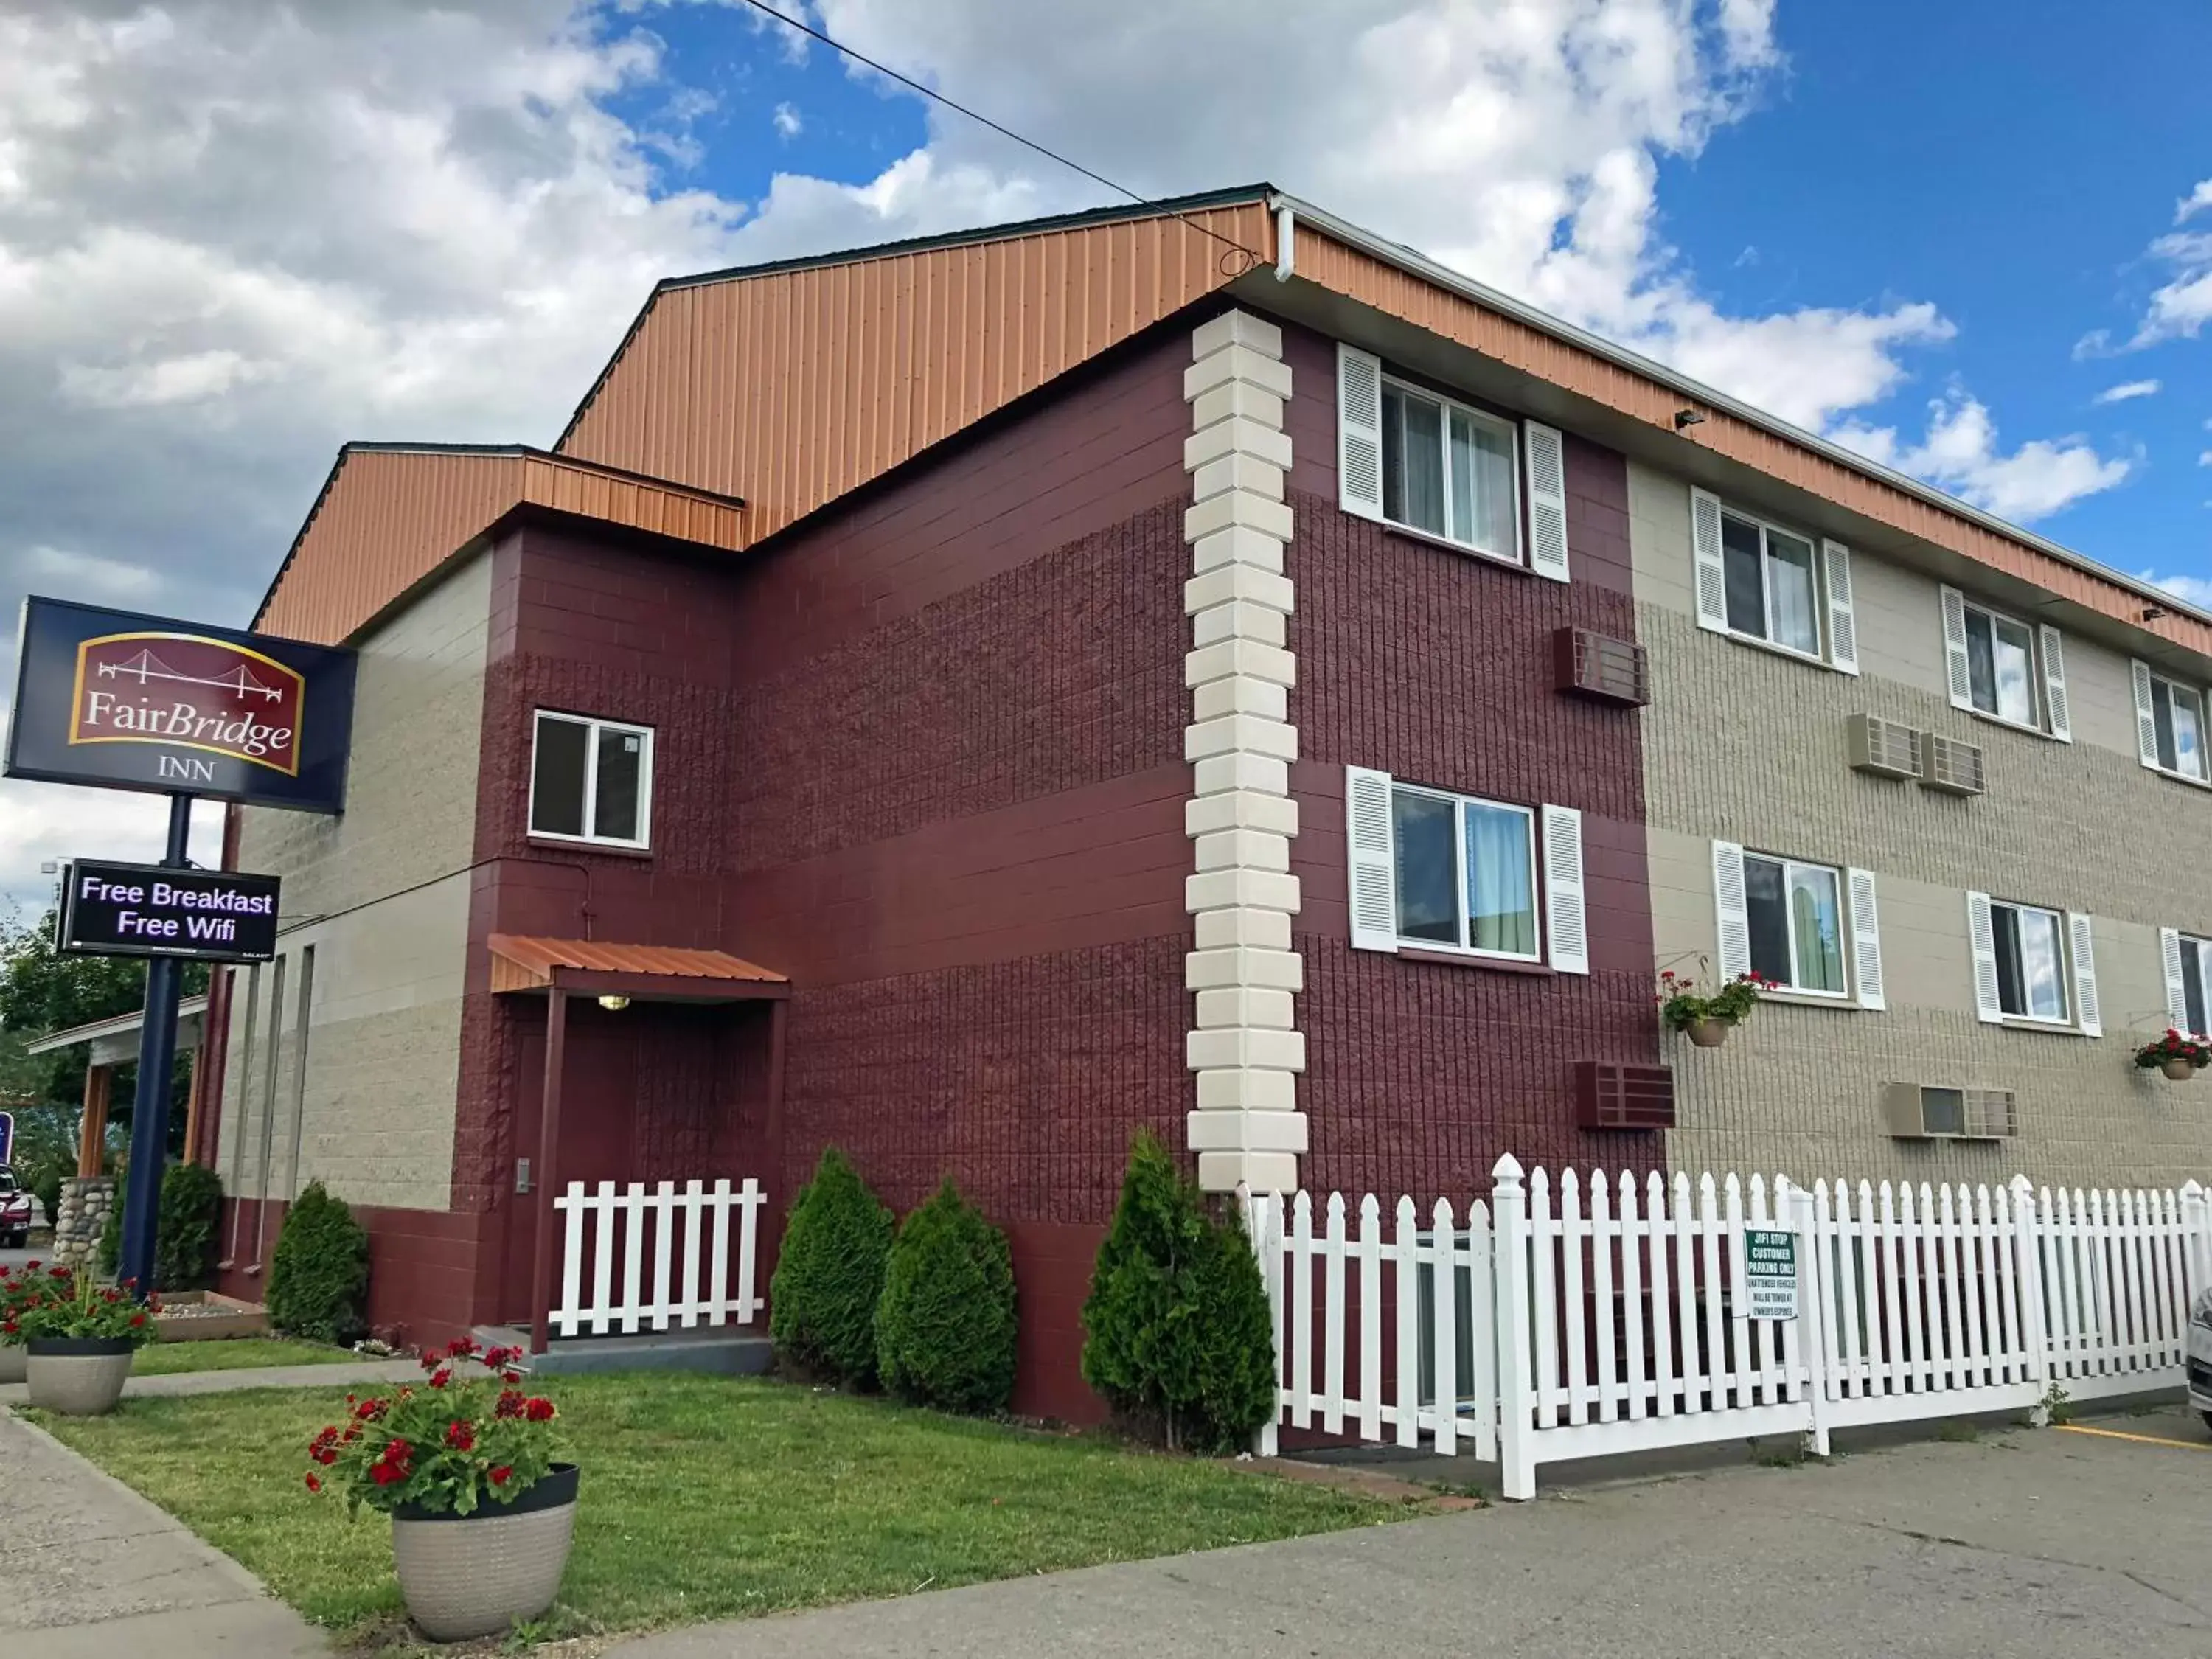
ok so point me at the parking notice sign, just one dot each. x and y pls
(1770, 1261)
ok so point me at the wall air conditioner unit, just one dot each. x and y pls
(1610, 1096)
(1920, 1111)
(1601, 668)
(1952, 767)
(1882, 747)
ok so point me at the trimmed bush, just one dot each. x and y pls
(1178, 1336)
(319, 1271)
(111, 1237)
(830, 1276)
(189, 1227)
(945, 1328)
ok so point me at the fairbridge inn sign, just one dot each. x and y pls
(125, 702)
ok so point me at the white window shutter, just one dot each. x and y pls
(1565, 904)
(2176, 988)
(2054, 684)
(1982, 934)
(1866, 940)
(2145, 719)
(1843, 626)
(1712, 570)
(1368, 859)
(1732, 912)
(1954, 648)
(2081, 946)
(1360, 432)
(1544, 452)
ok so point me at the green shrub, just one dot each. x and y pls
(945, 1328)
(185, 1228)
(1178, 1334)
(319, 1271)
(188, 1228)
(46, 1188)
(829, 1275)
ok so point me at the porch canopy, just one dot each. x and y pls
(615, 975)
(114, 1042)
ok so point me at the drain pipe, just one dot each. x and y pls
(1285, 246)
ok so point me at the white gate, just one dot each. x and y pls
(657, 1257)
(1613, 1315)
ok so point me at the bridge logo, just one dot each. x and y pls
(187, 692)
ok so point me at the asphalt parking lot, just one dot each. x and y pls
(2086, 1540)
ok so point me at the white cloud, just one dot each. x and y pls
(2180, 306)
(787, 122)
(2127, 389)
(1960, 453)
(83, 576)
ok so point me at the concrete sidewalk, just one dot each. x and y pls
(2042, 1542)
(345, 1375)
(89, 1570)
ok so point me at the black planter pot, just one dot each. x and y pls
(558, 1487)
(80, 1347)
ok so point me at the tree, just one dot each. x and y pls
(42, 992)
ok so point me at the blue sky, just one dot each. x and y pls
(2001, 162)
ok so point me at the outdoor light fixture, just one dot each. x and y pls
(1687, 417)
(614, 1005)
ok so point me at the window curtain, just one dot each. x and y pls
(1500, 885)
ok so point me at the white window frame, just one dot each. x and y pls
(2174, 686)
(1822, 627)
(2069, 1013)
(1518, 554)
(1460, 804)
(2038, 677)
(1845, 940)
(594, 727)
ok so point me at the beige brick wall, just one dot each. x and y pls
(1747, 745)
(381, 894)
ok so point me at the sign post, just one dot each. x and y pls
(1769, 1272)
(149, 1109)
(7, 1137)
(121, 701)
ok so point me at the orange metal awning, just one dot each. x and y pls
(648, 972)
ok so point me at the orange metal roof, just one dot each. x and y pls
(793, 384)
(391, 514)
(522, 962)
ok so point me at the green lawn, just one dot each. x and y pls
(237, 1354)
(708, 1497)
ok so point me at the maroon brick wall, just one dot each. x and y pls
(1436, 666)
(921, 754)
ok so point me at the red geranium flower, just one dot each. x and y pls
(461, 1436)
(385, 1473)
(501, 1475)
(439, 1377)
(537, 1410)
(314, 1481)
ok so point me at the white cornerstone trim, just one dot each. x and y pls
(1244, 1042)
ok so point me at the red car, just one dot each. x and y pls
(17, 1207)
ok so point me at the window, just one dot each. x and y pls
(1448, 471)
(2030, 954)
(1795, 912)
(1464, 873)
(1771, 584)
(2170, 726)
(2001, 665)
(2189, 981)
(591, 780)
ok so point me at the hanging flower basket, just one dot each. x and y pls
(481, 1511)
(2178, 1056)
(1706, 1020)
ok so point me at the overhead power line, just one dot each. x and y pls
(1251, 257)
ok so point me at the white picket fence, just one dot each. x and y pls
(658, 1257)
(1610, 1316)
